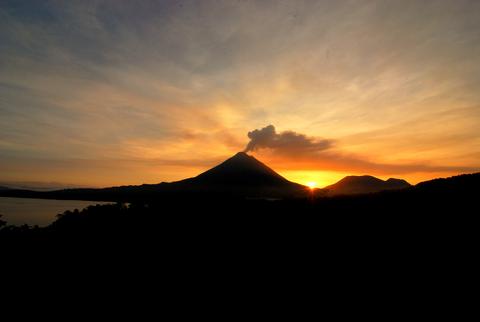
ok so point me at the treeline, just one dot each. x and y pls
(442, 202)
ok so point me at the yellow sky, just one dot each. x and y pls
(110, 93)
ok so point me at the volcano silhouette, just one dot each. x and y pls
(241, 175)
(241, 169)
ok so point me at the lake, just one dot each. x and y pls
(41, 212)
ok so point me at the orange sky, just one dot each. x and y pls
(111, 93)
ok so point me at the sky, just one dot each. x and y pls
(102, 93)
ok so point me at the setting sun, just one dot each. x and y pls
(312, 185)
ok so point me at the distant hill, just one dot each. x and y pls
(37, 186)
(363, 184)
(4, 188)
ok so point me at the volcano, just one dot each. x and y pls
(241, 175)
(241, 169)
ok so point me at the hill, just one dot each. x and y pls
(363, 184)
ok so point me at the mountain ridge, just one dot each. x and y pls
(364, 184)
(241, 175)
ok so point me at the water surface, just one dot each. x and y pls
(41, 212)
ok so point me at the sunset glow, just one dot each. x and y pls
(311, 185)
(104, 93)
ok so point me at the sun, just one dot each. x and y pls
(312, 185)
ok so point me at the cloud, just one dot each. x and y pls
(285, 142)
(295, 150)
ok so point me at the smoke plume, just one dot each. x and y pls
(285, 142)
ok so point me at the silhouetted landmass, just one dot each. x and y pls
(239, 176)
(4, 188)
(243, 202)
(364, 184)
(431, 206)
(409, 237)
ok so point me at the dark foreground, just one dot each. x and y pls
(416, 244)
(444, 208)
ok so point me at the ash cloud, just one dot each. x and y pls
(311, 153)
(285, 142)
